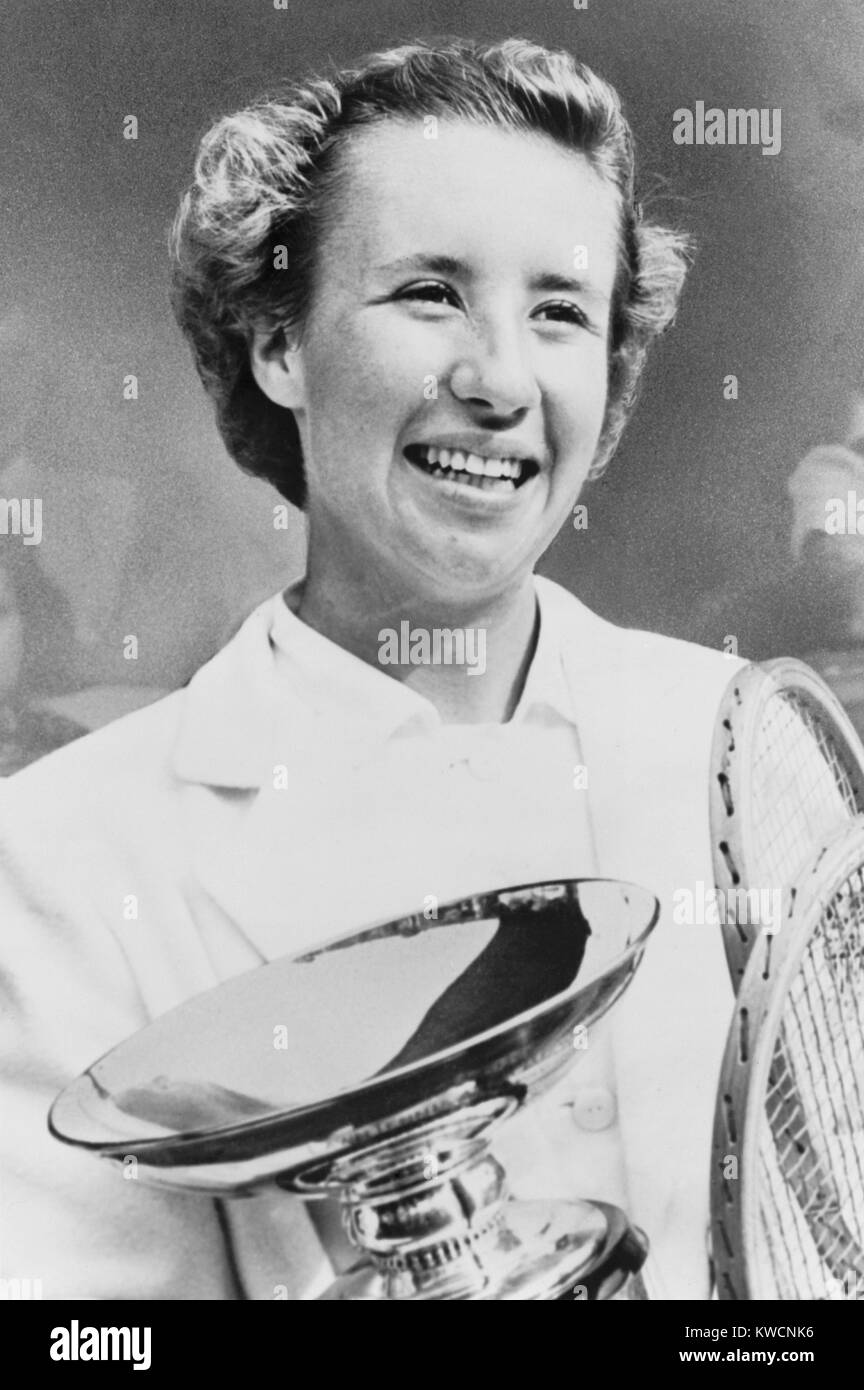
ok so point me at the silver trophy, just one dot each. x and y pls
(374, 1070)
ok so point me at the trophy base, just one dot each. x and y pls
(539, 1251)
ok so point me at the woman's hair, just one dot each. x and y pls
(266, 178)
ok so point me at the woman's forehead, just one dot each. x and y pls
(405, 184)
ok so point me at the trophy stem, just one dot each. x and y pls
(432, 1216)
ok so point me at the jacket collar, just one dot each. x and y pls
(237, 710)
(228, 718)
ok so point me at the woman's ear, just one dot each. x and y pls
(277, 367)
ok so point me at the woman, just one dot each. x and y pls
(420, 296)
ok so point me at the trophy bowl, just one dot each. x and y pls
(374, 1069)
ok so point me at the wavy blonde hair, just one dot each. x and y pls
(267, 176)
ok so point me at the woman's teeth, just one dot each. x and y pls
(491, 474)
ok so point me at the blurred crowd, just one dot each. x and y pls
(33, 617)
(812, 605)
(148, 531)
(44, 700)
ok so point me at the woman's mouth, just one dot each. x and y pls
(500, 475)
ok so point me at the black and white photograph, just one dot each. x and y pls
(432, 661)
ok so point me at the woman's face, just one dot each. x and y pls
(461, 304)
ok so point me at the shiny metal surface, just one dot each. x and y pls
(273, 1075)
(375, 1068)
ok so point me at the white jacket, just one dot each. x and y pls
(157, 805)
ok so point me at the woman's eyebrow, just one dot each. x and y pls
(553, 283)
(548, 282)
(440, 265)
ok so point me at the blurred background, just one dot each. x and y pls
(149, 530)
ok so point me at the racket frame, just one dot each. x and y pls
(730, 809)
(739, 1111)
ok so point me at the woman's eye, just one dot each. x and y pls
(432, 292)
(564, 312)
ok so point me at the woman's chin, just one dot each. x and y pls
(469, 576)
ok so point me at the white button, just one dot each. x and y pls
(593, 1107)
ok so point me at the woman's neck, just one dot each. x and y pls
(468, 658)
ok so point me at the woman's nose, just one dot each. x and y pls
(496, 374)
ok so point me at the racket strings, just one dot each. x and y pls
(811, 1142)
(801, 789)
(781, 1273)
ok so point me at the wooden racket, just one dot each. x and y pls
(787, 768)
(787, 1192)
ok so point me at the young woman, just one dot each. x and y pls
(420, 295)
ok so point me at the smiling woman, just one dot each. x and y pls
(359, 236)
(420, 294)
(521, 375)
(271, 180)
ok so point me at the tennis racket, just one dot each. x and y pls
(787, 1190)
(787, 768)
